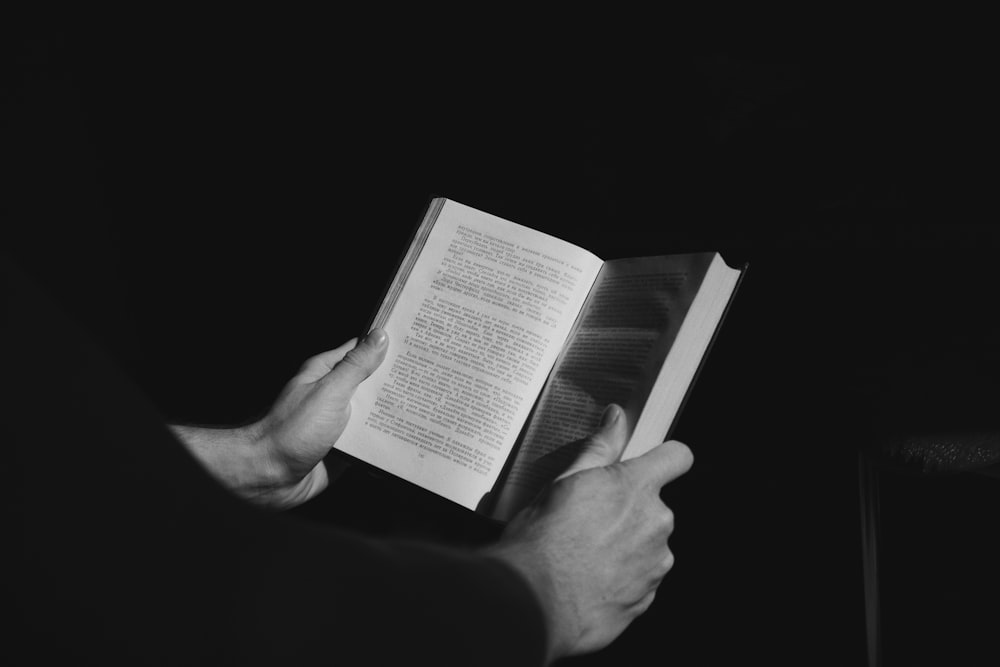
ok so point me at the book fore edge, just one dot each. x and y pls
(409, 260)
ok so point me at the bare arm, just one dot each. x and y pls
(593, 546)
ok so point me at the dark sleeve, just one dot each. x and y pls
(129, 553)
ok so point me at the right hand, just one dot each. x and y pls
(594, 544)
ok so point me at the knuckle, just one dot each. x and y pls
(662, 562)
(668, 562)
(312, 366)
(358, 360)
(666, 519)
(355, 356)
(686, 457)
(646, 603)
(597, 445)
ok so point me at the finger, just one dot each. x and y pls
(666, 564)
(319, 479)
(605, 445)
(358, 363)
(643, 605)
(662, 464)
(316, 367)
(308, 487)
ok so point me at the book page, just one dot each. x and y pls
(474, 328)
(615, 355)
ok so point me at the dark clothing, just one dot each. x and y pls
(130, 553)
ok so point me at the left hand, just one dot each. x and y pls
(311, 413)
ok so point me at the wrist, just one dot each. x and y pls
(239, 458)
(284, 481)
(270, 469)
(539, 579)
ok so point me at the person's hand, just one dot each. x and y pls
(311, 413)
(277, 462)
(594, 543)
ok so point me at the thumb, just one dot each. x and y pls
(359, 362)
(605, 445)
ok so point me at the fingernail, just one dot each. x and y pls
(376, 337)
(611, 415)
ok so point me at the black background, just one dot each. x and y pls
(220, 197)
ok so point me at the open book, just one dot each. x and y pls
(505, 346)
